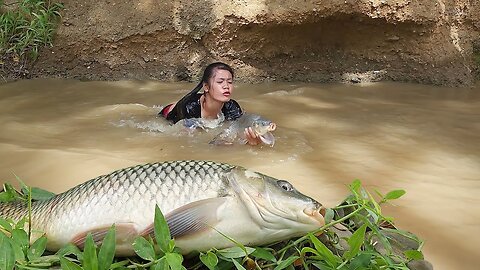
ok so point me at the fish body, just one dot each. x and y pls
(198, 198)
(236, 131)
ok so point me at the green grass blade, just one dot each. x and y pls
(162, 232)
(355, 242)
(90, 260)
(107, 250)
(285, 263)
(238, 266)
(69, 265)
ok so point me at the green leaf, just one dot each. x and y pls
(19, 252)
(5, 224)
(238, 265)
(37, 249)
(394, 194)
(7, 197)
(285, 263)
(162, 232)
(107, 250)
(355, 242)
(7, 254)
(264, 254)
(21, 223)
(209, 259)
(174, 260)
(360, 262)
(120, 264)
(329, 214)
(144, 249)
(374, 202)
(414, 255)
(162, 264)
(90, 260)
(10, 193)
(20, 244)
(20, 237)
(69, 265)
(40, 194)
(355, 186)
(324, 251)
(70, 249)
(236, 252)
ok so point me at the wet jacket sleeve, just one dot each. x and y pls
(187, 107)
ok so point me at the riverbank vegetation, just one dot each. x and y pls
(356, 236)
(25, 27)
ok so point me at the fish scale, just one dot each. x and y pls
(115, 197)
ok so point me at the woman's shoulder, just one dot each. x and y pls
(232, 110)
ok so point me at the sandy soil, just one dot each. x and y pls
(273, 40)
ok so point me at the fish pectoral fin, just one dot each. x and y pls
(123, 231)
(192, 218)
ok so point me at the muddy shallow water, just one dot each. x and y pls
(58, 133)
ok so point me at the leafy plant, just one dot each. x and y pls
(25, 27)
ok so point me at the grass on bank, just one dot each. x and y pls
(25, 27)
(369, 245)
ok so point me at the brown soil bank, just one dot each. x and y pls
(425, 41)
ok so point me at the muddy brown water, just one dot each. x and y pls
(56, 134)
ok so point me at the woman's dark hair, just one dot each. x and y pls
(210, 70)
(177, 112)
(208, 73)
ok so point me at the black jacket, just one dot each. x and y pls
(189, 107)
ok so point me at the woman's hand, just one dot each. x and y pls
(252, 137)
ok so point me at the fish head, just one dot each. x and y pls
(263, 129)
(275, 205)
(261, 126)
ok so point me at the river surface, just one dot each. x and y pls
(56, 134)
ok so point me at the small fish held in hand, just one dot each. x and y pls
(200, 199)
(262, 127)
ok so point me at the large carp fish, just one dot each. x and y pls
(198, 198)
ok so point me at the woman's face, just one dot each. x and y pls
(220, 85)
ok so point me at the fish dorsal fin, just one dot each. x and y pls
(192, 218)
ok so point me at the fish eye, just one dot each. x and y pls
(285, 185)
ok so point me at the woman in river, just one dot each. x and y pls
(213, 102)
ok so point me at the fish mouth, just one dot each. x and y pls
(268, 139)
(271, 127)
(317, 213)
